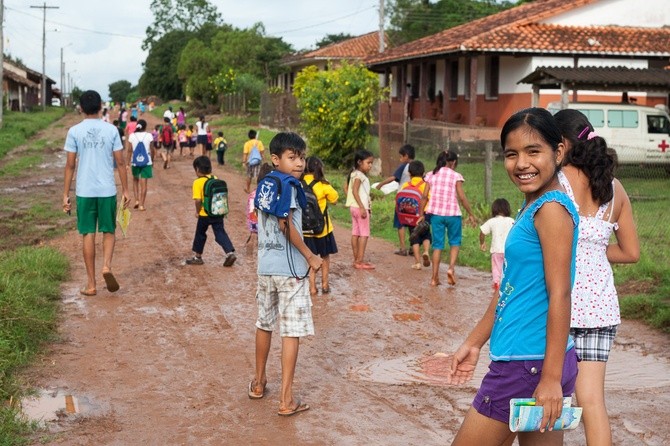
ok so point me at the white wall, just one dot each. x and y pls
(642, 13)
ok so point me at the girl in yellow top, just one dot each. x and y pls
(321, 244)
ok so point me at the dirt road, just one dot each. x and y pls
(167, 359)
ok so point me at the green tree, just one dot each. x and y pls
(336, 108)
(197, 65)
(179, 15)
(414, 19)
(118, 91)
(333, 38)
(76, 94)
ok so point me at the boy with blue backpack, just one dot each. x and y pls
(252, 157)
(210, 195)
(284, 262)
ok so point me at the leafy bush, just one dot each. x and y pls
(336, 109)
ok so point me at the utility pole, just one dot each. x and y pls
(44, 8)
(381, 26)
(2, 61)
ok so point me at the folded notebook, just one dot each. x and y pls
(526, 417)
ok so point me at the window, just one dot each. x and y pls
(453, 85)
(658, 124)
(466, 79)
(492, 77)
(622, 119)
(595, 117)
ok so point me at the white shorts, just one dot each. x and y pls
(287, 298)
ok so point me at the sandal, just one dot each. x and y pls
(89, 292)
(300, 407)
(426, 259)
(325, 290)
(401, 252)
(416, 266)
(255, 395)
(137, 204)
(110, 281)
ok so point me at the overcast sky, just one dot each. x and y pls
(101, 40)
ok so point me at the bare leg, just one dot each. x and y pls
(415, 251)
(435, 279)
(263, 342)
(108, 241)
(89, 260)
(247, 189)
(546, 438)
(401, 237)
(451, 272)
(325, 268)
(143, 190)
(478, 429)
(590, 391)
(362, 244)
(136, 187)
(289, 358)
(354, 247)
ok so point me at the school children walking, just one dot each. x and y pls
(411, 199)
(532, 353)
(498, 227)
(320, 242)
(203, 169)
(357, 189)
(283, 262)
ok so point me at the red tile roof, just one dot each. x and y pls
(355, 48)
(610, 40)
(451, 39)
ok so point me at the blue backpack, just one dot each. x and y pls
(140, 155)
(270, 197)
(254, 155)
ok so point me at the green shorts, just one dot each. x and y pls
(142, 172)
(96, 213)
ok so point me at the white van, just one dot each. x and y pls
(640, 135)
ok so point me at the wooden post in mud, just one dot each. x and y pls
(488, 171)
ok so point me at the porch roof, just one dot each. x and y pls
(19, 79)
(600, 78)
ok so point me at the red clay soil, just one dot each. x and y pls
(167, 359)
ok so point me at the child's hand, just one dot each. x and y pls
(314, 262)
(472, 220)
(67, 205)
(482, 246)
(364, 213)
(549, 395)
(463, 365)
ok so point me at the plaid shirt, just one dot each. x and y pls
(443, 198)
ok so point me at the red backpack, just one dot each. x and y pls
(407, 203)
(166, 132)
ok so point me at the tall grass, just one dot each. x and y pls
(18, 127)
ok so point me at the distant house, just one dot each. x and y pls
(470, 74)
(22, 86)
(354, 49)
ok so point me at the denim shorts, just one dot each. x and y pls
(517, 379)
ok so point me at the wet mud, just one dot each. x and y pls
(168, 358)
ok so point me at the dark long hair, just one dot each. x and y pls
(445, 158)
(588, 153)
(314, 166)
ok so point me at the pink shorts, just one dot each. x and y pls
(359, 226)
(497, 259)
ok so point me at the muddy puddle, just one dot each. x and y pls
(54, 404)
(432, 369)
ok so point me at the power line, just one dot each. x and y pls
(44, 8)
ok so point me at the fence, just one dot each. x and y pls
(279, 111)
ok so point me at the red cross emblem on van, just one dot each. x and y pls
(663, 145)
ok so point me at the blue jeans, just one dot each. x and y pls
(219, 234)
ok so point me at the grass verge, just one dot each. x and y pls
(30, 276)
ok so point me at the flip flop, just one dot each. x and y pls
(142, 208)
(137, 204)
(89, 292)
(300, 407)
(426, 260)
(110, 281)
(253, 395)
(451, 278)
